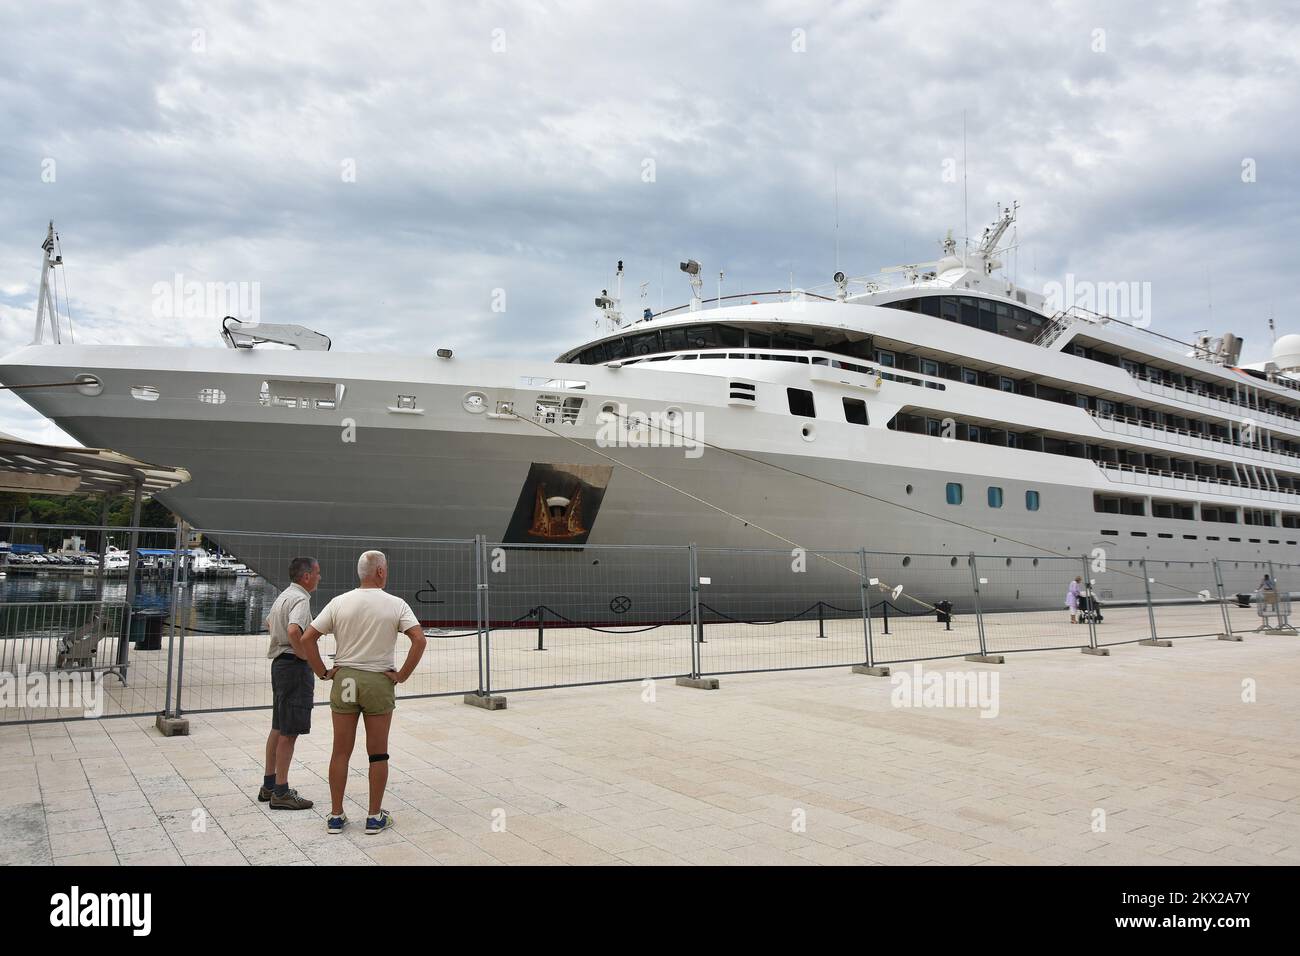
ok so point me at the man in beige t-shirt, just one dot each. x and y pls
(365, 623)
(292, 684)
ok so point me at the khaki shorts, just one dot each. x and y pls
(362, 692)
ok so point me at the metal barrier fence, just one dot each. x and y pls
(559, 616)
(771, 610)
(147, 621)
(923, 607)
(84, 621)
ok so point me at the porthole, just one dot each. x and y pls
(609, 408)
(145, 393)
(212, 396)
(674, 416)
(1008, 562)
(808, 432)
(1035, 562)
(475, 403)
(89, 385)
(909, 489)
(907, 562)
(953, 562)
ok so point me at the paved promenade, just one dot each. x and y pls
(814, 767)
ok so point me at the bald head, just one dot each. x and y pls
(372, 568)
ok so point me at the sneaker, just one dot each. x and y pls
(335, 824)
(290, 800)
(264, 795)
(382, 821)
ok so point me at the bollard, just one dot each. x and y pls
(821, 620)
(541, 625)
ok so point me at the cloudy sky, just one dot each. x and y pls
(380, 173)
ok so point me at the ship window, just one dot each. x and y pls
(145, 393)
(970, 376)
(954, 493)
(995, 497)
(801, 402)
(212, 396)
(929, 305)
(929, 367)
(1031, 500)
(855, 411)
(885, 358)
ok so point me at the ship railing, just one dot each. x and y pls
(1140, 429)
(745, 298)
(1155, 386)
(1174, 481)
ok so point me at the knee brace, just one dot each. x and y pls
(376, 758)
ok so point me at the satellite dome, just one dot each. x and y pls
(1286, 352)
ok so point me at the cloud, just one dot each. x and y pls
(503, 146)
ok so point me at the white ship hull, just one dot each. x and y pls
(385, 478)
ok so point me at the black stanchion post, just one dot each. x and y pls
(885, 603)
(821, 620)
(541, 624)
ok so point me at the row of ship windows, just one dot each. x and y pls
(1181, 380)
(1024, 324)
(955, 494)
(1193, 511)
(1154, 417)
(1110, 533)
(951, 428)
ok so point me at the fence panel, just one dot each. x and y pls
(1023, 601)
(767, 610)
(1121, 590)
(1185, 599)
(226, 599)
(564, 616)
(906, 592)
(1241, 585)
(66, 636)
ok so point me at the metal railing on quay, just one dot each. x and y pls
(107, 621)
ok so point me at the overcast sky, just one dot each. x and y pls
(380, 173)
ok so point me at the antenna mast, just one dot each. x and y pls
(837, 218)
(965, 217)
(44, 302)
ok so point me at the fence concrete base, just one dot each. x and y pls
(487, 702)
(1231, 637)
(871, 671)
(699, 683)
(1280, 630)
(986, 658)
(172, 726)
(1149, 642)
(1095, 651)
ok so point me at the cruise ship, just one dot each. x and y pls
(936, 409)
